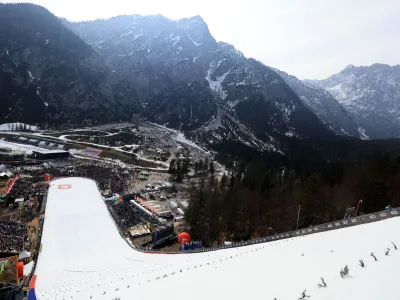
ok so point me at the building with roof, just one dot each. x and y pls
(50, 154)
(9, 155)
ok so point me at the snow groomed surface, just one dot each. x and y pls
(84, 257)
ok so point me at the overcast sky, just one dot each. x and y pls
(307, 38)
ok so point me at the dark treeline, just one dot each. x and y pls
(306, 154)
(257, 201)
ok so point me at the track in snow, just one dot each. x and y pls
(84, 257)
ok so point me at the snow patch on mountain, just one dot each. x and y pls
(363, 136)
(174, 39)
(193, 41)
(30, 75)
(371, 95)
(216, 85)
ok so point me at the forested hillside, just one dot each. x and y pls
(257, 201)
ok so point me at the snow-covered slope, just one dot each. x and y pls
(84, 257)
(371, 95)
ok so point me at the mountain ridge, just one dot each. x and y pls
(165, 59)
(371, 94)
(174, 73)
(324, 105)
(48, 74)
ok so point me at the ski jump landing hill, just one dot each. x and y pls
(83, 256)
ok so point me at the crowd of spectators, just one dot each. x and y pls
(21, 189)
(9, 243)
(29, 186)
(12, 228)
(126, 214)
(27, 214)
(35, 252)
(12, 236)
(108, 176)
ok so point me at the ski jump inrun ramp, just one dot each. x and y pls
(84, 257)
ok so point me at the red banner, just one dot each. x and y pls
(11, 184)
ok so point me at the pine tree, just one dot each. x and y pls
(200, 166)
(206, 164)
(211, 168)
(172, 169)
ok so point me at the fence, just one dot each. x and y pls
(374, 217)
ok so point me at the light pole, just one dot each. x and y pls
(298, 215)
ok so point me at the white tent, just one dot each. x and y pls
(6, 174)
(28, 268)
(24, 254)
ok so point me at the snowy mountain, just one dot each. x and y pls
(48, 74)
(324, 105)
(174, 73)
(371, 95)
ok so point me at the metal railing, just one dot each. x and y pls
(369, 218)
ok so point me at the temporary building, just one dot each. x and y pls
(19, 200)
(28, 268)
(24, 254)
(6, 174)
